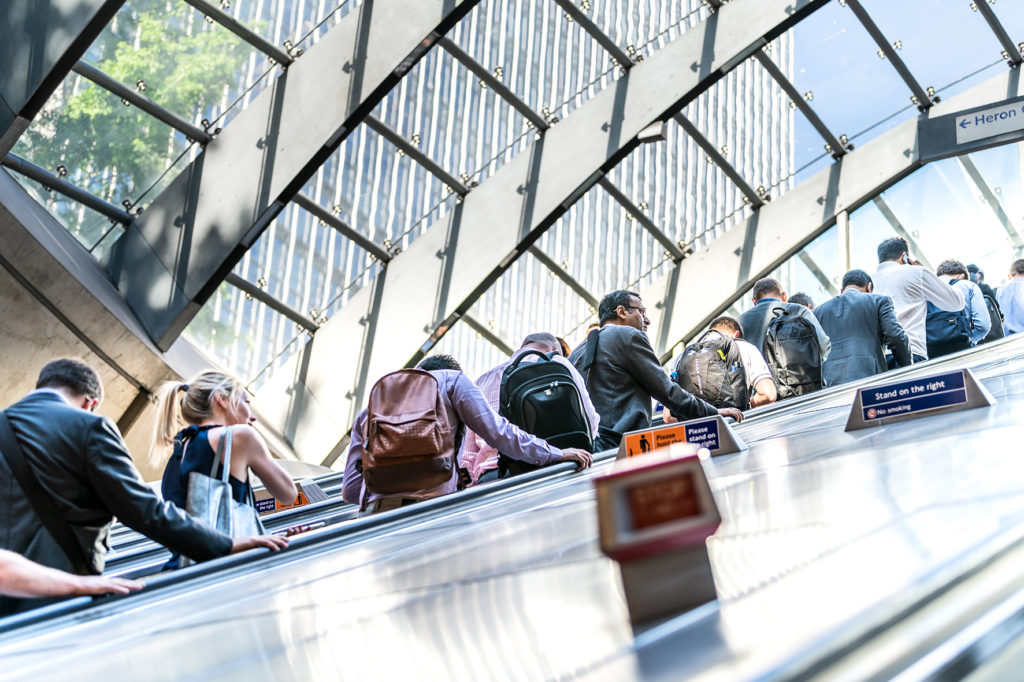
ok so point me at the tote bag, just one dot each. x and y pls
(210, 502)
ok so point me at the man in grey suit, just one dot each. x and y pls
(82, 464)
(859, 323)
(623, 373)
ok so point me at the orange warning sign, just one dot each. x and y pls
(642, 442)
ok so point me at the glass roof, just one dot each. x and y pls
(200, 71)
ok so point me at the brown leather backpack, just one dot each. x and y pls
(409, 444)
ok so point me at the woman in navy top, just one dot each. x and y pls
(211, 403)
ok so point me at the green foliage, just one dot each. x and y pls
(187, 66)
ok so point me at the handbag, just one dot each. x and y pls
(210, 501)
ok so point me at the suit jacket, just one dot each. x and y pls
(81, 460)
(859, 324)
(625, 376)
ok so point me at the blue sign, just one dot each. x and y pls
(267, 504)
(703, 433)
(917, 395)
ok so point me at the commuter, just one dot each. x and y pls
(623, 373)
(802, 299)
(860, 323)
(465, 407)
(89, 477)
(974, 300)
(746, 374)
(22, 578)
(1011, 299)
(994, 313)
(911, 287)
(479, 459)
(212, 403)
(788, 336)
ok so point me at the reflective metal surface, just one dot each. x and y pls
(825, 536)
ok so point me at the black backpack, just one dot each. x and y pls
(541, 398)
(792, 353)
(712, 369)
(947, 332)
(996, 315)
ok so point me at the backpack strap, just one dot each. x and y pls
(589, 354)
(546, 356)
(40, 500)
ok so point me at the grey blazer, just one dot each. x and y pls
(859, 324)
(625, 376)
(81, 460)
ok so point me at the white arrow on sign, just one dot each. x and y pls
(989, 122)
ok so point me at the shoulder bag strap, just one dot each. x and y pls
(589, 355)
(40, 500)
(223, 452)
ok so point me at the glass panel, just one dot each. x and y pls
(189, 65)
(550, 62)
(93, 230)
(1011, 16)
(748, 118)
(643, 26)
(441, 108)
(114, 151)
(939, 40)
(474, 353)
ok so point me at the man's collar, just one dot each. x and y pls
(52, 391)
(768, 299)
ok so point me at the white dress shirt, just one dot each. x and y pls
(911, 287)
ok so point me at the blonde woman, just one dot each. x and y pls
(210, 403)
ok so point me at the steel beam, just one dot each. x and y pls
(923, 100)
(716, 157)
(819, 274)
(410, 150)
(1012, 51)
(485, 332)
(181, 248)
(641, 217)
(141, 101)
(242, 31)
(993, 202)
(782, 228)
(273, 303)
(493, 83)
(307, 204)
(577, 15)
(836, 147)
(41, 41)
(901, 231)
(561, 274)
(443, 272)
(71, 191)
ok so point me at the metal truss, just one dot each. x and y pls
(341, 226)
(242, 31)
(271, 302)
(990, 198)
(488, 335)
(561, 273)
(576, 14)
(753, 198)
(827, 284)
(410, 150)
(71, 191)
(436, 280)
(750, 250)
(235, 188)
(901, 231)
(1012, 52)
(920, 97)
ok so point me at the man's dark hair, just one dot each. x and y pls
(727, 325)
(439, 361)
(611, 302)
(766, 287)
(1017, 267)
(856, 278)
(977, 274)
(891, 249)
(803, 299)
(951, 267)
(545, 339)
(72, 374)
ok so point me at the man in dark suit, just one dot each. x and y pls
(83, 466)
(623, 373)
(860, 323)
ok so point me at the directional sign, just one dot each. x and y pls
(988, 125)
(947, 392)
(989, 122)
